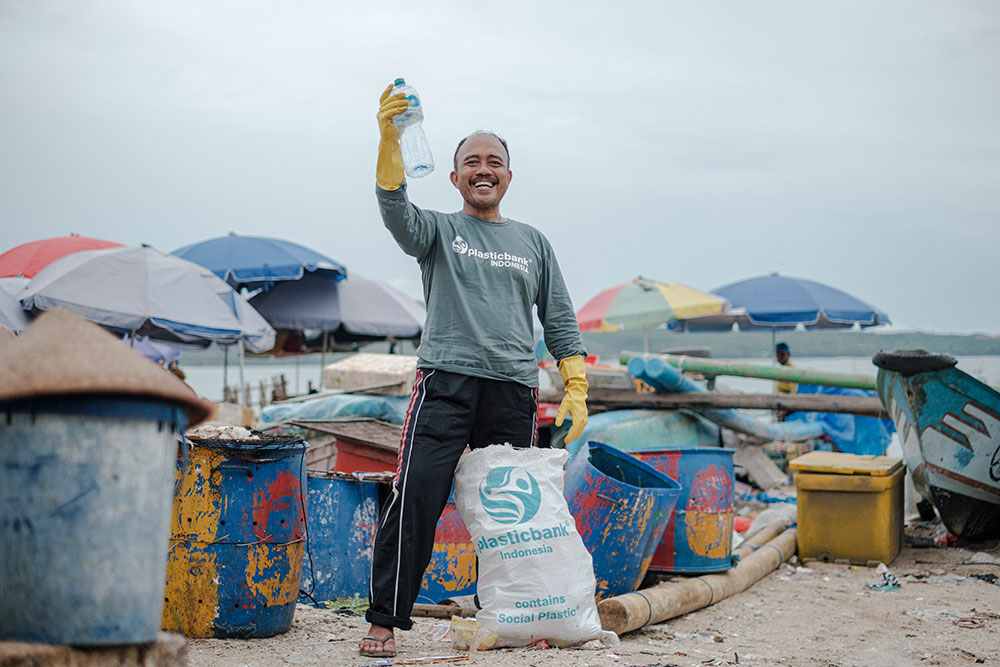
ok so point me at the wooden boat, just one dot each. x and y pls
(949, 427)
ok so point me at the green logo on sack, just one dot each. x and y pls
(510, 495)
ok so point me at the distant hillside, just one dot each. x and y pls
(802, 343)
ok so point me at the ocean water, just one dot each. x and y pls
(207, 380)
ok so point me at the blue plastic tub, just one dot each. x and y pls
(85, 517)
(343, 517)
(621, 507)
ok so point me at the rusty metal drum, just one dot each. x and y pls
(237, 538)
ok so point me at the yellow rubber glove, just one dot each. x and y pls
(574, 376)
(389, 172)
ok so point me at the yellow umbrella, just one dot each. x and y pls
(644, 303)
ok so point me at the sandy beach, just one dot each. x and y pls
(812, 614)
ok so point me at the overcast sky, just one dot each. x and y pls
(852, 142)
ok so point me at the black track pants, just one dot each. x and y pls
(447, 411)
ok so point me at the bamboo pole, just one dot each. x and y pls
(763, 371)
(625, 613)
(763, 536)
(441, 610)
(751, 544)
(665, 378)
(759, 539)
(615, 399)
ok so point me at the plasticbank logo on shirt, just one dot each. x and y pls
(500, 260)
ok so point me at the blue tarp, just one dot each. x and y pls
(391, 409)
(852, 434)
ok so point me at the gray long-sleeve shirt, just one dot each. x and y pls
(481, 280)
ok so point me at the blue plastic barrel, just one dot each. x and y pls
(699, 537)
(86, 488)
(621, 507)
(342, 520)
(452, 570)
(237, 539)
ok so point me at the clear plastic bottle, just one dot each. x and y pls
(417, 158)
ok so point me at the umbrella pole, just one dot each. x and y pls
(243, 394)
(770, 353)
(322, 359)
(298, 358)
(225, 371)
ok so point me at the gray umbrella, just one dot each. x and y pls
(12, 315)
(353, 308)
(151, 293)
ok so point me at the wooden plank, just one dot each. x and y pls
(364, 430)
(599, 400)
(759, 467)
(169, 650)
(441, 610)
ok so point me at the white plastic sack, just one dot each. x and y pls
(536, 578)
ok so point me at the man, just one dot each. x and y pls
(477, 379)
(783, 356)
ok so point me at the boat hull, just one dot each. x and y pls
(949, 428)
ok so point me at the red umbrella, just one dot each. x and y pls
(28, 259)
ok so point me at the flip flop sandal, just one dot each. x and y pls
(381, 642)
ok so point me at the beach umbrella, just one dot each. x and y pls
(13, 285)
(374, 309)
(154, 350)
(12, 315)
(258, 262)
(784, 302)
(27, 259)
(147, 292)
(644, 303)
(354, 309)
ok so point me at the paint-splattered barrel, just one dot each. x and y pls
(452, 570)
(343, 516)
(699, 537)
(237, 538)
(621, 507)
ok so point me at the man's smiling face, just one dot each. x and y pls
(482, 175)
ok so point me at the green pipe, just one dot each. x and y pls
(763, 371)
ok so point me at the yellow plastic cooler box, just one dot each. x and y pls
(850, 507)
